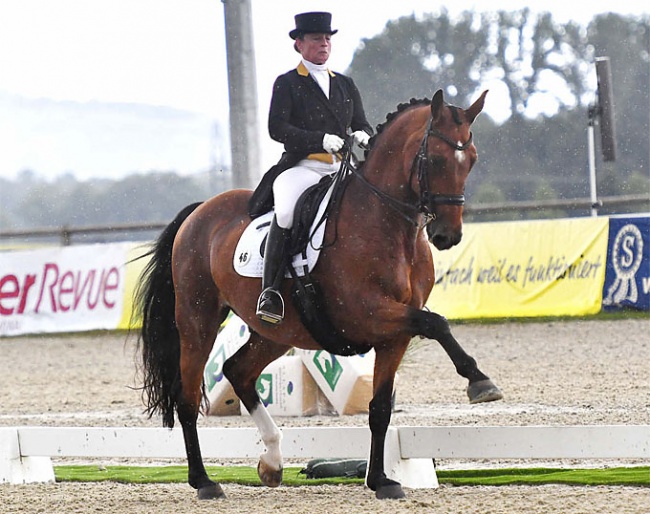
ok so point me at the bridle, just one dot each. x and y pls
(427, 201)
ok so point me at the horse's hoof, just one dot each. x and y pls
(210, 492)
(270, 477)
(390, 491)
(483, 391)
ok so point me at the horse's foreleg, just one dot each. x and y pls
(386, 362)
(435, 326)
(242, 370)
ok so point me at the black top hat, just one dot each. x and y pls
(312, 22)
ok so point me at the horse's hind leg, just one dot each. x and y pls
(198, 332)
(480, 388)
(242, 371)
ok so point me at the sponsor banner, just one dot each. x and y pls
(504, 269)
(627, 278)
(134, 267)
(522, 269)
(63, 289)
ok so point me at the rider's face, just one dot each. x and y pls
(315, 48)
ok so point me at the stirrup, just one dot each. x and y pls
(270, 298)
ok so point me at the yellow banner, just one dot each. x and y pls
(521, 269)
(134, 267)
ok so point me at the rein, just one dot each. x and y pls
(394, 203)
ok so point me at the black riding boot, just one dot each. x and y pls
(270, 306)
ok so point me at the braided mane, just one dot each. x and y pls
(414, 102)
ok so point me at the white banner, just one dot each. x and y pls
(64, 289)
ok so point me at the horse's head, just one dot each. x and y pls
(418, 164)
(440, 168)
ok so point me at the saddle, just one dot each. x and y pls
(306, 235)
(305, 219)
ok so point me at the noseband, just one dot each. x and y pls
(427, 201)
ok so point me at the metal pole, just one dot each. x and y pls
(242, 89)
(592, 162)
(606, 109)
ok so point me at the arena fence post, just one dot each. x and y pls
(414, 473)
(18, 469)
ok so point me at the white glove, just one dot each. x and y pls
(332, 143)
(361, 137)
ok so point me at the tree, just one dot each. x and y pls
(139, 198)
(546, 73)
(526, 53)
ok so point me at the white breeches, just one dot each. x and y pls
(291, 183)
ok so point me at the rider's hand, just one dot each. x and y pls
(332, 143)
(361, 138)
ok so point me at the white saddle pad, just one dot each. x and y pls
(248, 260)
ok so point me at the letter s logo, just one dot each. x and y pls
(627, 250)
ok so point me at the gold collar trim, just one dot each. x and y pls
(304, 72)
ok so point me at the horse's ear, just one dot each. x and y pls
(436, 105)
(475, 109)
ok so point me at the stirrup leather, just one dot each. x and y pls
(270, 300)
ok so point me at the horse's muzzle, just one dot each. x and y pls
(443, 238)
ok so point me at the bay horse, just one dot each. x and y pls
(375, 272)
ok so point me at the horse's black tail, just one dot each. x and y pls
(154, 302)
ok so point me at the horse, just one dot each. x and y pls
(375, 273)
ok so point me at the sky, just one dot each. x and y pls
(171, 53)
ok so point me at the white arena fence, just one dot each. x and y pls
(26, 452)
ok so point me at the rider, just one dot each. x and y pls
(312, 110)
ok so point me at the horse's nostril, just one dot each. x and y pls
(441, 242)
(444, 241)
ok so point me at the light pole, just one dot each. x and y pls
(242, 90)
(603, 109)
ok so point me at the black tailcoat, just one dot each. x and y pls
(299, 117)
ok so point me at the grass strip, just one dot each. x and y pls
(634, 476)
(178, 474)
